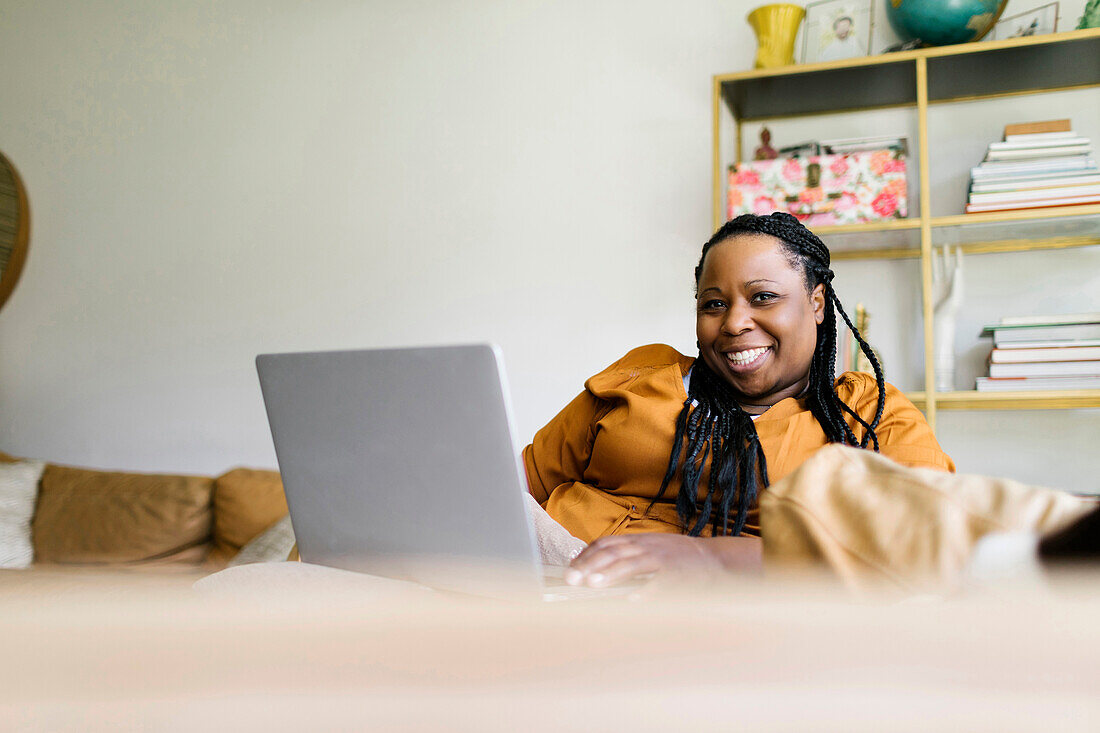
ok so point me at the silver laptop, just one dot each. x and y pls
(404, 463)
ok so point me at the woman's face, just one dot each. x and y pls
(756, 323)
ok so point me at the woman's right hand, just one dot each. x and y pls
(611, 560)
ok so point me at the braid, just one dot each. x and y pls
(715, 426)
(712, 423)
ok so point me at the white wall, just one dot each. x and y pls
(210, 180)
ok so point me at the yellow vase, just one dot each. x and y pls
(776, 27)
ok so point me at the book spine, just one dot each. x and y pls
(1038, 204)
(1049, 165)
(1046, 369)
(1048, 344)
(1056, 384)
(1034, 183)
(1064, 319)
(1037, 136)
(1043, 126)
(979, 197)
(1030, 356)
(996, 155)
(1032, 333)
(1038, 144)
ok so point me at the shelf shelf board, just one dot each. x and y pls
(956, 73)
(1011, 231)
(891, 239)
(997, 217)
(870, 226)
(1031, 400)
(1020, 231)
(1007, 68)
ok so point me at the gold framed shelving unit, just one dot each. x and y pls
(917, 79)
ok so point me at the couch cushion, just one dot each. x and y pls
(247, 501)
(271, 545)
(18, 490)
(87, 516)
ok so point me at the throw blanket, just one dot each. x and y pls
(875, 523)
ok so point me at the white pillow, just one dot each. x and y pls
(272, 545)
(18, 492)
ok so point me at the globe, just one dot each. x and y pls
(943, 22)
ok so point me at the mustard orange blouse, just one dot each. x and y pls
(597, 465)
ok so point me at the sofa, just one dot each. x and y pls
(110, 519)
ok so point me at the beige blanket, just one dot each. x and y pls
(875, 523)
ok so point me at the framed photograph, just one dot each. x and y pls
(1035, 22)
(837, 29)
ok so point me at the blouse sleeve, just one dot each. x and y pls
(560, 451)
(903, 433)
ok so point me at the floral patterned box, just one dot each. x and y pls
(822, 189)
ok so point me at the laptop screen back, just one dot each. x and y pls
(402, 462)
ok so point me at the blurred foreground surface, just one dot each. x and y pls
(105, 651)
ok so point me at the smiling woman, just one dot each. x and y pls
(660, 444)
(757, 324)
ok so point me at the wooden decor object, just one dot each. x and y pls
(15, 227)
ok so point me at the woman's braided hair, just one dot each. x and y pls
(713, 424)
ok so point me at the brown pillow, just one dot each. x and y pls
(86, 516)
(246, 502)
(5, 458)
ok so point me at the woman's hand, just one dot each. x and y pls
(612, 560)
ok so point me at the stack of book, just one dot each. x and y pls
(1044, 352)
(1038, 164)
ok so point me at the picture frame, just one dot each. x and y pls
(837, 29)
(1035, 22)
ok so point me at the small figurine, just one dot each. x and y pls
(860, 362)
(765, 151)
